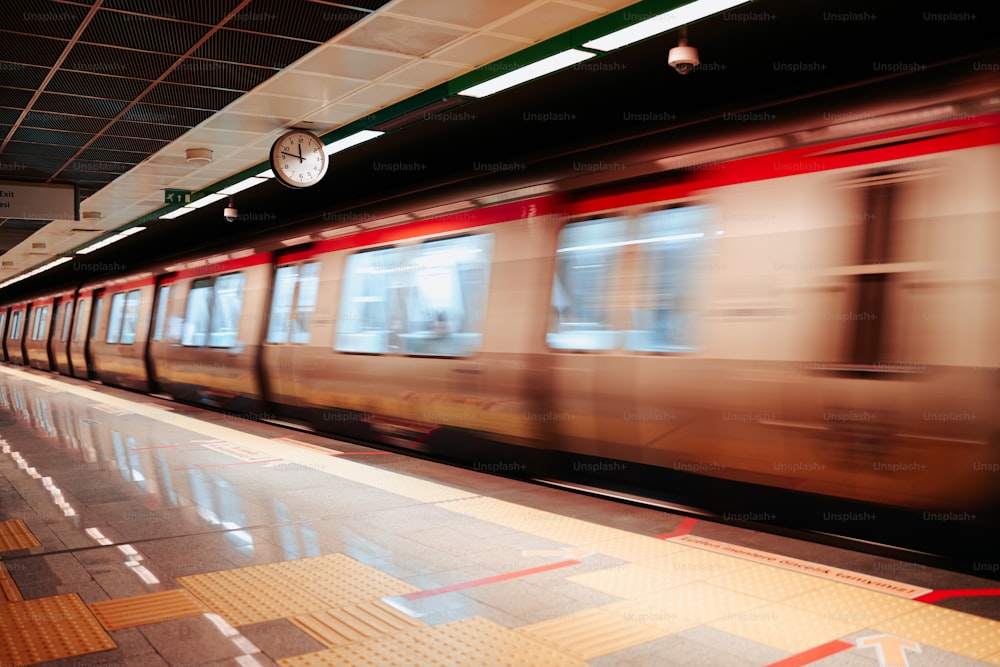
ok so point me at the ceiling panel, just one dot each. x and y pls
(251, 48)
(104, 85)
(143, 32)
(208, 13)
(217, 74)
(42, 17)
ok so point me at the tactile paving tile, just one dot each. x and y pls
(470, 642)
(344, 625)
(9, 591)
(695, 603)
(768, 582)
(850, 603)
(398, 483)
(250, 595)
(965, 634)
(143, 609)
(338, 580)
(631, 580)
(61, 626)
(476, 642)
(14, 534)
(592, 632)
(632, 547)
(783, 627)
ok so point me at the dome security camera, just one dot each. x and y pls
(682, 57)
(231, 213)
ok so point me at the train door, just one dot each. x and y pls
(159, 327)
(3, 333)
(92, 333)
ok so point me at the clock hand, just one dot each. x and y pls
(293, 155)
(300, 152)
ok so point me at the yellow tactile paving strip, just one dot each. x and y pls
(14, 534)
(335, 627)
(852, 603)
(783, 627)
(470, 642)
(954, 631)
(291, 588)
(630, 580)
(689, 604)
(769, 583)
(143, 609)
(338, 580)
(9, 591)
(50, 628)
(593, 632)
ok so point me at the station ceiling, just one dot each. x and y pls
(111, 94)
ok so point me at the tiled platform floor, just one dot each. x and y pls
(138, 532)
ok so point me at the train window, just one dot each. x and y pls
(226, 307)
(421, 300)
(3, 321)
(363, 320)
(129, 316)
(38, 324)
(161, 312)
(67, 317)
(281, 304)
(669, 243)
(115, 318)
(196, 316)
(587, 260)
(81, 317)
(305, 302)
(15, 324)
(96, 319)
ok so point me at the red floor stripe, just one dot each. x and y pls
(488, 580)
(813, 654)
(934, 596)
(685, 527)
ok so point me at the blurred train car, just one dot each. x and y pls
(818, 316)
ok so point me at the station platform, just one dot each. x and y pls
(136, 531)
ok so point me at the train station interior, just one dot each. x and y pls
(584, 332)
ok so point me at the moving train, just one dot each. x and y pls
(814, 310)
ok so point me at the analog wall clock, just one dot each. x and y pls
(298, 160)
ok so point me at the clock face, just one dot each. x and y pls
(298, 160)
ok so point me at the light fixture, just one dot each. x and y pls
(91, 215)
(351, 140)
(176, 213)
(198, 155)
(661, 23)
(109, 240)
(206, 200)
(527, 73)
(245, 184)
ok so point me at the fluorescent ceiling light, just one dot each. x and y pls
(245, 184)
(352, 140)
(33, 272)
(176, 213)
(111, 239)
(661, 23)
(527, 73)
(205, 201)
(266, 174)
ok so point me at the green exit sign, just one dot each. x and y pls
(176, 197)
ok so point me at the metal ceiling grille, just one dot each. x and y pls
(89, 89)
